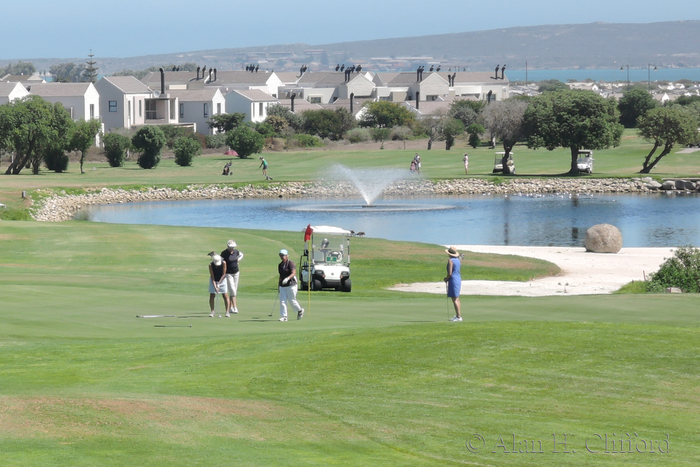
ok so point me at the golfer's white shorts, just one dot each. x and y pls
(232, 283)
(222, 287)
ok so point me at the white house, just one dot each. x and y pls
(81, 100)
(477, 84)
(228, 81)
(126, 102)
(10, 91)
(197, 106)
(252, 102)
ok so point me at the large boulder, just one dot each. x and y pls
(603, 238)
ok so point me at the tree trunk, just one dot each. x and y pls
(430, 144)
(645, 166)
(574, 161)
(667, 149)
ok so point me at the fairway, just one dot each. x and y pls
(367, 378)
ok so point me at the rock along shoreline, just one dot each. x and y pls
(56, 206)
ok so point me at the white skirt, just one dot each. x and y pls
(222, 287)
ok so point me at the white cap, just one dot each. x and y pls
(216, 259)
(231, 244)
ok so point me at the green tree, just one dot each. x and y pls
(149, 140)
(277, 123)
(665, 126)
(380, 135)
(572, 119)
(475, 130)
(84, 137)
(28, 127)
(90, 70)
(385, 114)
(466, 111)
(245, 141)
(634, 103)
(550, 85)
(185, 150)
(294, 121)
(67, 72)
(326, 123)
(504, 119)
(224, 123)
(115, 146)
(453, 128)
(19, 69)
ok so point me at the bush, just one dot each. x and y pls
(115, 146)
(307, 141)
(173, 133)
(400, 133)
(56, 159)
(215, 141)
(358, 135)
(475, 130)
(185, 150)
(245, 141)
(150, 141)
(682, 271)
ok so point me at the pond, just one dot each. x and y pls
(657, 220)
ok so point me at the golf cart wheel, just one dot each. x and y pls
(317, 285)
(346, 285)
(304, 286)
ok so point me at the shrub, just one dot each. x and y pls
(56, 159)
(115, 146)
(682, 271)
(215, 141)
(173, 133)
(358, 135)
(475, 130)
(150, 141)
(245, 141)
(185, 150)
(307, 141)
(400, 133)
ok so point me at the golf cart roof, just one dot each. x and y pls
(329, 230)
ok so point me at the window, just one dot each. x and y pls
(140, 109)
(260, 109)
(218, 108)
(206, 110)
(151, 113)
(315, 99)
(92, 110)
(182, 110)
(112, 106)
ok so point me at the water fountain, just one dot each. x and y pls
(370, 183)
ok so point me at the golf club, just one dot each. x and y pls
(274, 304)
(448, 302)
(155, 316)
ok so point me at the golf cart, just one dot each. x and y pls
(585, 161)
(325, 263)
(498, 163)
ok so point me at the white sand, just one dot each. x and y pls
(582, 272)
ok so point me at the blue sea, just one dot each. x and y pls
(636, 74)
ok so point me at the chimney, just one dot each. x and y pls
(418, 74)
(352, 97)
(417, 100)
(198, 72)
(293, 96)
(214, 74)
(162, 81)
(210, 70)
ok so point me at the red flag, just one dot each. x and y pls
(307, 233)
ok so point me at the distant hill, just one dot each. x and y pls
(596, 45)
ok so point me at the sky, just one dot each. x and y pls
(128, 28)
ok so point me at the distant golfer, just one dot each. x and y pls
(217, 282)
(263, 164)
(454, 280)
(416, 159)
(288, 286)
(466, 163)
(232, 257)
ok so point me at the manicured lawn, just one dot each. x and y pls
(367, 378)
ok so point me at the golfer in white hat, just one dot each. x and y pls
(217, 282)
(288, 286)
(232, 257)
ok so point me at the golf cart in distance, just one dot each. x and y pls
(325, 263)
(585, 161)
(498, 163)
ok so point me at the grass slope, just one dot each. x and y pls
(367, 378)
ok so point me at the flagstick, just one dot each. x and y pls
(308, 282)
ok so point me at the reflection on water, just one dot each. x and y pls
(645, 220)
